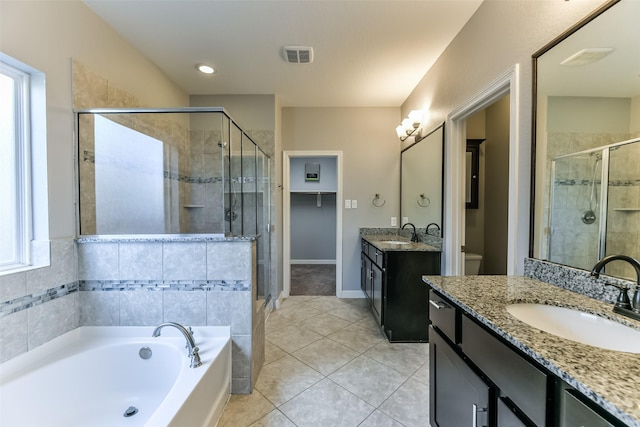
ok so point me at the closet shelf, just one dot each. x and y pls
(192, 206)
(627, 209)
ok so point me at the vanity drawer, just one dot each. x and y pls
(443, 316)
(376, 255)
(576, 413)
(523, 383)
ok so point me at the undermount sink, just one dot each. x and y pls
(576, 325)
(397, 242)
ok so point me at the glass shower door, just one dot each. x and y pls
(575, 209)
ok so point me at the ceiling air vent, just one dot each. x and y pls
(298, 54)
(587, 56)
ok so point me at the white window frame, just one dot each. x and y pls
(31, 242)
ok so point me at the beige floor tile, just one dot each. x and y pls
(358, 302)
(422, 374)
(371, 381)
(357, 338)
(244, 409)
(327, 303)
(272, 352)
(298, 312)
(293, 338)
(378, 419)
(406, 358)
(324, 323)
(350, 313)
(285, 378)
(326, 404)
(409, 404)
(325, 355)
(369, 322)
(276, 322)
(273, 419)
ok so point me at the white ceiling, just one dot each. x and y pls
(367, 52)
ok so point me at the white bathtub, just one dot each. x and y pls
(92, 375)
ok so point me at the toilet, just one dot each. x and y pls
(472, 264)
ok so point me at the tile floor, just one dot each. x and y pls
(327, 364)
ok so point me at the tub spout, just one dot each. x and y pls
(191, 344)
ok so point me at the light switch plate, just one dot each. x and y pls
(347, 204)
(394, 221)
(354, 204)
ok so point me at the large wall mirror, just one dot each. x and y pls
(587, 141)
(422, 182)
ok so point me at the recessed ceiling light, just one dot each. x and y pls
(206, 69)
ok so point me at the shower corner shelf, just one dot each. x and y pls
(192, 206)
(627, 209)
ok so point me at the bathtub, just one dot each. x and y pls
(94, 376)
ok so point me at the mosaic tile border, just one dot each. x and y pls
(164, 285)
(616, 183)
(27, 301)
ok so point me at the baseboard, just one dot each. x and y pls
(279, 301)
(313, 261)
(352, 294)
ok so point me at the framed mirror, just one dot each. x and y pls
(421, 182)
(586, 181)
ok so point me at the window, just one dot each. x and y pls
(15, 206)
(24, 223)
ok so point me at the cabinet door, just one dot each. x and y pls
(377, 291)
(507, 416)
(458, 397)
(577, 414)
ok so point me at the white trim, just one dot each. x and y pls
(286, 212)
(454, 238)
(313, 261)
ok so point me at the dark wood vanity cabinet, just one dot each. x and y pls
(392, 281)
(478, 379)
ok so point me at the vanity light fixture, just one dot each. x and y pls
(205, 69)
(410, 126)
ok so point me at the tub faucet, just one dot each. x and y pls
(191, 344)
(635, 303)
(414, 236)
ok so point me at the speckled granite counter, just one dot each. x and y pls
(385, 243)
(609, 378)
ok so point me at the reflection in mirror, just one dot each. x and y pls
(587, 128)
(472, 173)
(421, 182)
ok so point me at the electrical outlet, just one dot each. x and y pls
(354, 204)
(347, 204)
(405, 219)
(394, 221)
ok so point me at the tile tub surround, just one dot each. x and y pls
(609, 378)
(206, 281)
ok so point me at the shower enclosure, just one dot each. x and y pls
(179, 172)
(594, 207)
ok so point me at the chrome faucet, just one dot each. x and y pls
(191, 344)
(414, 236)
(623, 299)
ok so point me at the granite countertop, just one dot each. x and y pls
(609, 378)
(384, 243)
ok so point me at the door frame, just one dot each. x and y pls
(286, 215)
(519, 191)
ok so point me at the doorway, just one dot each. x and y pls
(486, 231)
(312, 223)
(518, 184)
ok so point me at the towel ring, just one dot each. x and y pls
(376, 198)
(422, 199)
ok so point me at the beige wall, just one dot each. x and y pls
(371, 164)
(498, 36)
(46, 35)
